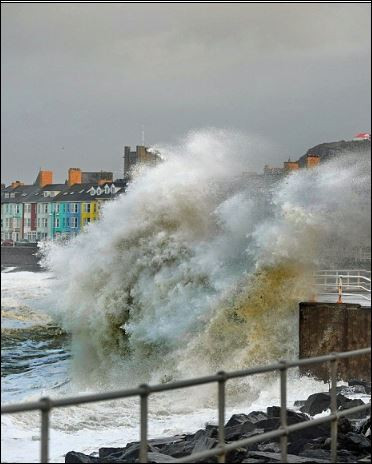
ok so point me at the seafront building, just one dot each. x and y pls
(49, 211)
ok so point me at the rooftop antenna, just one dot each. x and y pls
(143, 135)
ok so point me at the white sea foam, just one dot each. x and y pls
(198, 267)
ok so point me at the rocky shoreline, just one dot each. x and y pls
(308, 445)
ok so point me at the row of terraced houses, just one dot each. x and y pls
(46, 210)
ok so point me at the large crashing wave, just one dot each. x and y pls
(200, 265)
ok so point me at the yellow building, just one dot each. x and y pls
(88, 212)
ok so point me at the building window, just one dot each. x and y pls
(45, 207)
(56, 222)
(45, 222)
(87, 207)
(18, 209)
(57, 207)
(73, 222)
(38, 222)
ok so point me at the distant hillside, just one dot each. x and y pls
(333, 149)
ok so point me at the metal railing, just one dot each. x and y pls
(45, 405)
(346, 282)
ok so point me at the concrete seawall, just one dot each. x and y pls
(22, 258)
(331, 327)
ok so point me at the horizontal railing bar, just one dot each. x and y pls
(346, 294)
(273, 434)
(119, 394)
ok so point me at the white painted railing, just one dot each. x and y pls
(351, 283)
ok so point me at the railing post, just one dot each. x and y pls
(44, 450)
(221, 415)
(283, 410)
(334, 423)
(143, 413)
(339, 290)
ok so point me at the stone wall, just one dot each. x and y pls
(22, 258)
(331, 327)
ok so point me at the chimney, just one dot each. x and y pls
(74, 176)
(44, 178)
(291, 165)
(16, 183)
(312, 160)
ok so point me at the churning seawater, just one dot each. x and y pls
(198, 267)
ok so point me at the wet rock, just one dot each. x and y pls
(299, 403)
(316, 403)
(365, 459)
(270, 447)
(274, 411)
(211, 431)
(363, 383)
(256, 416)
(350, 390)
(235, 432)
(365, 427)
(114, 452)
(352, 404)
(319, 402)
(161, 442)
(295, 446)
(354, 442)
(344, 425)
(204, 443)
(237, 419)
(276, 457)
(154, 458)
(75, 457)
(131, 453)
(236, 456)
(186, 446)
(342, 455)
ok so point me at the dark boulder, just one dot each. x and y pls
(354, 442)
(319, 402)
(113, 452)
(271, 447)
(161, 442)
(274, 411)
(237, 419)
(299, 403)
(189, 444)
(352, 404)
(74, 457)
(316, 403)
(351, 389)
(236, 456)
(256, 416)
(237, 431)
(131, 453)
(154, 458)
(364, 427)
(276, 457)
(363, 383)
(342, 455)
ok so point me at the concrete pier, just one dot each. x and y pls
(332, 327)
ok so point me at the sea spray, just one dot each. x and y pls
(199, 266)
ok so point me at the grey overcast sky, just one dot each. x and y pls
(79, 80)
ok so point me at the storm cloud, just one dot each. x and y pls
(79, 80)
